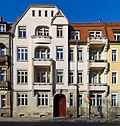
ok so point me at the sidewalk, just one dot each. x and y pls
(58, 119)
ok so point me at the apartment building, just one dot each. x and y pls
(88, 45)
(5, 84)
(40, 64)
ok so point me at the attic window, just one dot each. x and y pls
(46, 14)
(33, 13)
(117, 35)
(52, 13)
(2, 28)
(39, 13)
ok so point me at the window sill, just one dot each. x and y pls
(60, 83)
(22, 38)
(60, 37)
(22, 60)
(80, 61)
(59, 60)
(71, 61)
(22, 83)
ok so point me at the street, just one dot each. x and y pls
(56, 124)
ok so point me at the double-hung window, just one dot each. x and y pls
(80, 77)
(22, 76)
(59, 53)
(22, 31)
(71, 77)
(71, 54)
(114, 100)
(59, 76)
(80, 54)
(59, 31)
(42, 99)
(114, 77)
(114, 55)
(75, 35)
(22, 54)
(22, 99)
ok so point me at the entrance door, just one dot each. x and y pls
(59, 105)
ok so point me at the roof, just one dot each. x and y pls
(43, 5)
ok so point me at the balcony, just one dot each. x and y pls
(3, 85)
(98, 40)
(42, 62)
(98, 86)
(42, 86)
(41, 39)
(98, 63)
(3, 58)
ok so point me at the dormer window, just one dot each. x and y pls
(75, 35)
(2, 28)
(117, 35)
(95, 33)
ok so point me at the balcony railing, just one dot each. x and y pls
(98, 84)
(41, 39)
(3, 84)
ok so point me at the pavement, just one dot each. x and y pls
(59, 119)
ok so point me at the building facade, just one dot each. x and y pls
(64, 69)
(5, 68)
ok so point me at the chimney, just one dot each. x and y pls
(0, 18)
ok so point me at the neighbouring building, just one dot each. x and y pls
(5, 69)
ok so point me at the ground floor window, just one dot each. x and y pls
(2, 101)
(114, 100)
(22, 98)
(43, 99)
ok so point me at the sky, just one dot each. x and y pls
(74, 10)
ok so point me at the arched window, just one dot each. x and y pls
(42, 31)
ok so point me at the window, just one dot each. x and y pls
(2, 50)
(75, 35)
(43, 31)
(59, 76)
(59, 31)
(42, 53)
(43, 99)
(3, 101)
(46, 13)
(114, 55)
(99, 100)
(80, 54)
(22, 54)
(71, 54)
(71, 99)
(114, 100)
(52, 13)
(22, 99)
(2, 28)
(22, 76)
(22, 32)
(117, 36)
(79, 100)
(43, 77)
(95, 55)
(92, 100)
(71, 77)
(59, 53)
(33, 13)
(114, 77)
(80, 77)
(95, 78)
(39, 12)
(95, 33)
(2, 75)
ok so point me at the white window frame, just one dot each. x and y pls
(59, 31)
(94, 34)
(114, 54)
(2, 28)
(2, 75)
(92, 100)
(42, 99)
(3, 101)
(80, 54)
(80, 76)
(21, 76)
(22, 32)
(99, 100)
(22, 54)
(71, 54)
(115, 77)
(75, 35)
(80, 99)
(60, 76)
(117, 35)
(71, 77)
(22, 99)
(114, 100)
(42, 31)
(59, 53)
